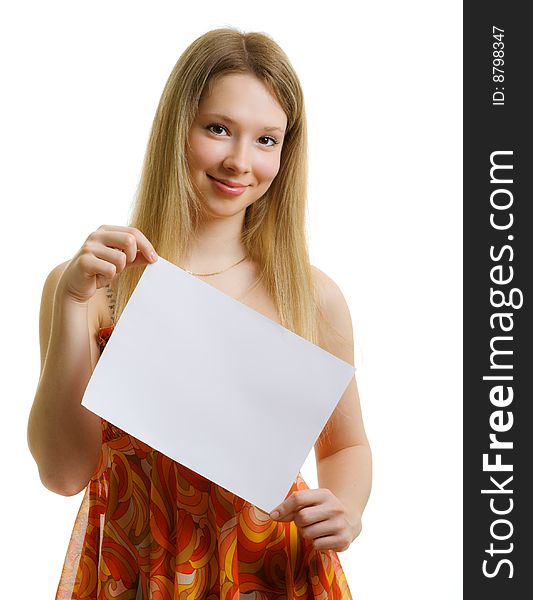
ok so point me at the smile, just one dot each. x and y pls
(231, 190)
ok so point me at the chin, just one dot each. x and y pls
(223, 209)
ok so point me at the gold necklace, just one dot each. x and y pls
(217, 272)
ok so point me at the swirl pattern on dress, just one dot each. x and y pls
(150, 528)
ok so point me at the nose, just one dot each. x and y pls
(238, 158)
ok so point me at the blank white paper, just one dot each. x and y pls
(215, 385)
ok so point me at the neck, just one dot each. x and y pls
(216, 244)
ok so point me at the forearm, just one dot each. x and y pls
(63, 436)
(348, 474)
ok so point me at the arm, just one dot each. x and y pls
(64, 437)
(331, 514)
(348, 474)
(342, 451)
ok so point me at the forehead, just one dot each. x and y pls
(243, 97)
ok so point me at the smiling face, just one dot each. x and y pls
(235, 144)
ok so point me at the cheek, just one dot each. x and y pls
(267, 168)
(200, 153)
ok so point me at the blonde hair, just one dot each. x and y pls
(166, 208)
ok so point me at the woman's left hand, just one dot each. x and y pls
(320, 516)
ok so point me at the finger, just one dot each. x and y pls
(124, 241)
(126, 244)
(140, 260)
(310, 515)
(320, 529)
(116, 256)
(92, 265)
(330, 542)
(101, 239)
(285, 518)
(141, 241)
(287, 507)
(296, 501)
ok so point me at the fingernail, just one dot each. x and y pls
(153, 256)
(274, 514)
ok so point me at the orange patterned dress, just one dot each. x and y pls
(149, 528)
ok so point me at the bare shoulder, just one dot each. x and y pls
(326, 287)
(335, 322)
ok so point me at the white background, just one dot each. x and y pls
(382, 82)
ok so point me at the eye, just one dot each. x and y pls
(215, 126)
(268, 137)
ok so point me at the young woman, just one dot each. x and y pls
(222, 195)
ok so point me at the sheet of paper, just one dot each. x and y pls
(215, 385)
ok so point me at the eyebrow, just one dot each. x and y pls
(230, 120)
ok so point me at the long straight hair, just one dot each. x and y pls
(166, 207)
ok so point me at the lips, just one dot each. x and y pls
(232, 184)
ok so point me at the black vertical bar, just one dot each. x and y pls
(498, 354)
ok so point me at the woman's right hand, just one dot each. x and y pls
(106, 252)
